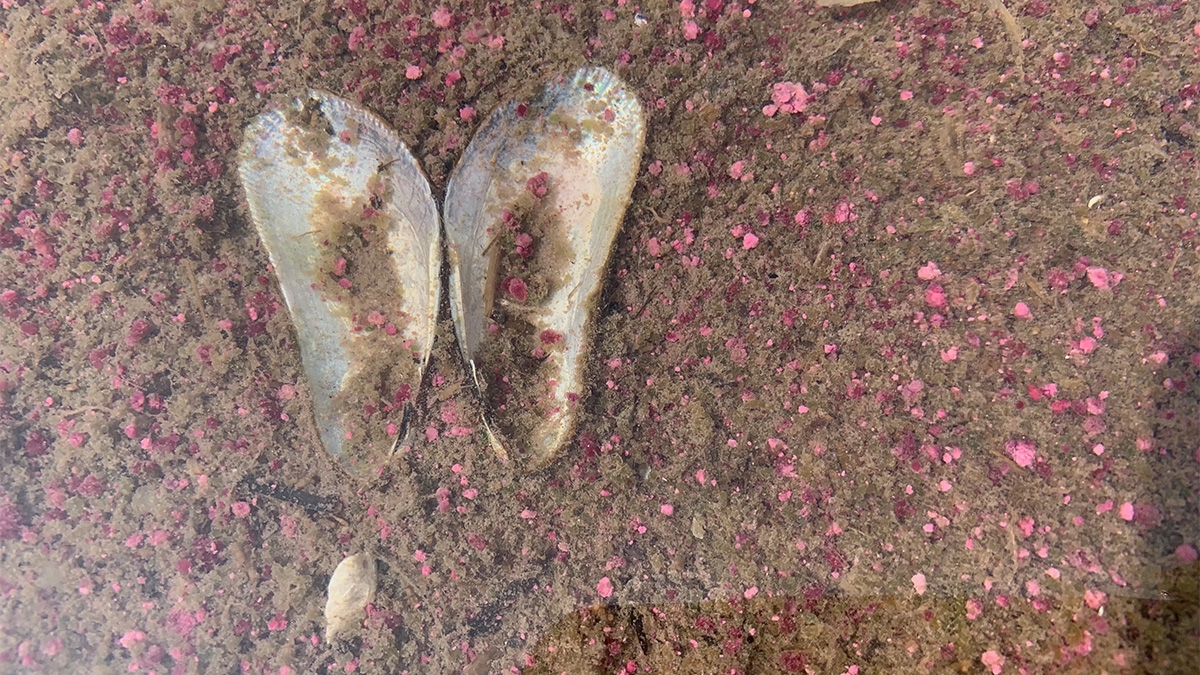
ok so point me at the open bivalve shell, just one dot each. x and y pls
(531, 213)
(351, 228)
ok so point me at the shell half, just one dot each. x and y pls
(347, 218)
(351, 586)
(531, 213)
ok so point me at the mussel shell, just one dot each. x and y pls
(324, 171)
(580, 143)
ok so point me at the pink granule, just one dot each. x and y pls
(605, 587)
(1126, 511)
(919, 583)
(929, 272)
(1185, 553)
(993, 660)
(974, 609)
(131, 638)
(442, 17)
(935, 296)
(516, 288)
(1023, 452)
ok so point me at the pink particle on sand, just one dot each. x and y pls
(1021, 311)
(906, 95)
(431, 434)
(279, 622)
(1185, 553)
(1104, 506)
(75, 137)
(929, 272)
(749, 241)
(750, 592)
(131, 638)
(1126, 511)
(700, 476)
(993, 660)
(516, 288)
(690, 30)
(412, 72)
(1026, 525)
(605, 588)
(1032, 588)
(935, 296)
(788, 98)
(441, 17)
(1022, 452)
(666, 509)
(467, 113)
(950, 354)
(876, 120)
(356, 39)
(969, 168)
(241, 509)
(844, 212)
(1099, 277)
(974, 609)
(1095, 599)
(735, 169)
(918, 582)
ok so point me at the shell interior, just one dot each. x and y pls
(351, 228)
(531, 213)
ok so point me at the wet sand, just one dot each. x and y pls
(895, 368)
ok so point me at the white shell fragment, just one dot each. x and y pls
(351, 588)
(531, 213)
(351, 228)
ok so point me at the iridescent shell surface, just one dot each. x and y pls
(351, 228)
(531, 213)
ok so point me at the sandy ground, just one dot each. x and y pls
(896, 368)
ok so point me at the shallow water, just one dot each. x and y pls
(895, 368)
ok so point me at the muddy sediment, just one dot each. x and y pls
(898, 347)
